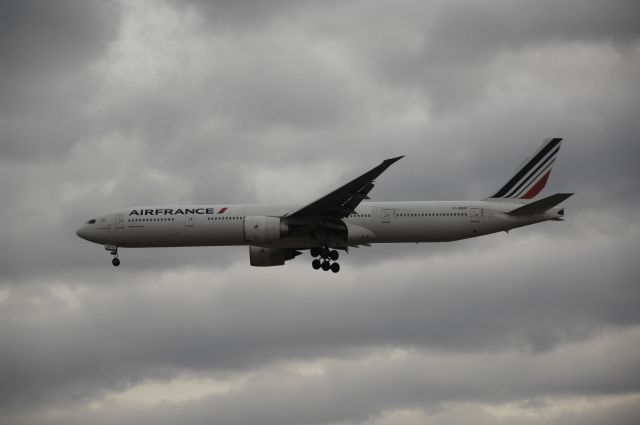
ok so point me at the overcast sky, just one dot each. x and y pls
(106, 104)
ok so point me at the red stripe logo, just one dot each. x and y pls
(222, 210)
(536, 187)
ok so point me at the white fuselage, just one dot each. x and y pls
(373, 222)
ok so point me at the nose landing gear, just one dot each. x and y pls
(326, 256)
(113, 250)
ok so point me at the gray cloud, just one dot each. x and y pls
(231, 17)
(46, 48)
(108, 105)
(347, 390)
(116, 335)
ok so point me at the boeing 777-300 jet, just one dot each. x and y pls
(336, 221)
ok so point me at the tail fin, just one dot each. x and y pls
(532, 176)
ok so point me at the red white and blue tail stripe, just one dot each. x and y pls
(532, 176)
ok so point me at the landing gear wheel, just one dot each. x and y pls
(334, 255)
(115, 262)
(316, 264)
(326, 265)
(335, 267)
(315, 252)
(324, 252)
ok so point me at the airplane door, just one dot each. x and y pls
(474, 214)
(387, 215)
(119, 221)
(189, 220)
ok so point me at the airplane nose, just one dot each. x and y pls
(81, 232)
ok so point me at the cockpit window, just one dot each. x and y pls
(92, 221)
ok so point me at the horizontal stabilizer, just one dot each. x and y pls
(541, 205)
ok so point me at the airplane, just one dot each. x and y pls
(335, 222)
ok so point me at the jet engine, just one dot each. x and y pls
(262, 230)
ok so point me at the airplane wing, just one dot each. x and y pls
(344, 200)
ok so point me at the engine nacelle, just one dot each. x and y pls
(265, 257)
(262, 230)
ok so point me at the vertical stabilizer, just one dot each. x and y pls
(531, 177)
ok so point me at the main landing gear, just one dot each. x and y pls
(326, 256)
(114, 251)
